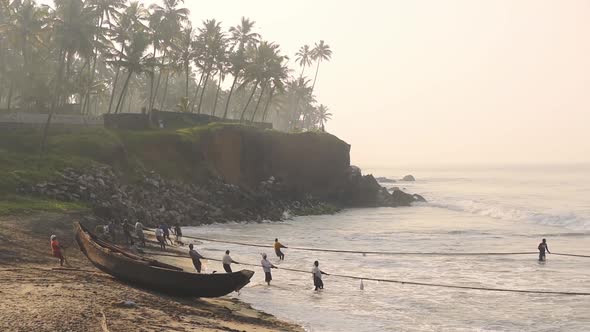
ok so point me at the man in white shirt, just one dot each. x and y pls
(317, 276)
(227, 260)
(160, 238)
(266, 266)
(139, 232)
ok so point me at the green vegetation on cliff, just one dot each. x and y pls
(16, 204)
(235, 152)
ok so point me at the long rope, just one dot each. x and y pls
(570, 255)
(405, 282)
(380, 252)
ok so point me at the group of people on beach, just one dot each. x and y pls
(162, 234)
(127, 228)
(267, 266)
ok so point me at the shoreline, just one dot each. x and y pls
(42, 297)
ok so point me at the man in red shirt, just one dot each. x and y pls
(56, 250)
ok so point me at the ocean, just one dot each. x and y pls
(469, 209)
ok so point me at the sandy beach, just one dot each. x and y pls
(37, 295)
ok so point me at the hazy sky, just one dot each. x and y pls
(441, 81)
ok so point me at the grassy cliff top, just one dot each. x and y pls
(171, 153)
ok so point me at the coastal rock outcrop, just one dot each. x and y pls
(366, 191)
(383, 179)
(408, 178)
(153, 199)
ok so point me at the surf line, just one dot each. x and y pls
(382, 252)
(406, 282)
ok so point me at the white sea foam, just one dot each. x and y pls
(566, 219)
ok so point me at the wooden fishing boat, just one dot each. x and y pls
(155, 275)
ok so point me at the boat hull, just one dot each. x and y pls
(154, 275)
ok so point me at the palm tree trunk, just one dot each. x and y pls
(203, 92)
(82, 100)
(114, 89)
(258, 103)
(302, 70)
(163, 102)
(155, 96)
(217, 94)
(92, 74)
(115, 82)
(57, 93)
(303, 120)
(123, 91)
(130, 98)
(248, 102)
(197, 93)
(152, 77)
(272, 92)
(316, 76)
(86, 104)
(231, 91)
(187, 69)
(9, 99)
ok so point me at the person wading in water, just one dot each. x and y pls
(542, 247)
(317, 276)
(278, 251)
(266, 266)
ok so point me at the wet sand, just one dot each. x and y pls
(37, 295)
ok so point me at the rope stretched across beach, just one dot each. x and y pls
(368, 252)
(406, 282)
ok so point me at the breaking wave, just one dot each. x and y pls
(568, 219)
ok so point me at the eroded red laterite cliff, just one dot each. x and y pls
(313, 163)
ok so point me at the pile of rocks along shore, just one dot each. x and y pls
(153, 199)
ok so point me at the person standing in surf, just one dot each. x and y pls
(278, 251)
(542, 248)
(317, 276)
(266, 266)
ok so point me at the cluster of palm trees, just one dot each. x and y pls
(113, 56)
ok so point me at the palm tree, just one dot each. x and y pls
(298, 98)
(172, 68)
(213, 43)
(321, 52)
(241, 37)
(130, 20)
(273, 74)
(22, 29)
(73, 30)
(165, 24)
(186, 54)
(279, 76)
(222, 69)
(323, 115)
(304, 57)
(133, 58)
(103, 10)
(257, 70)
